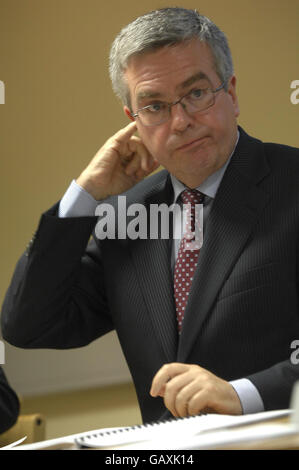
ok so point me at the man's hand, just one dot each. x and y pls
(188, 389)
(122, 162)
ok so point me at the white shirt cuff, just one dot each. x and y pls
(77, 202)
(250, 398)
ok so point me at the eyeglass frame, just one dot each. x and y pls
(170, 105)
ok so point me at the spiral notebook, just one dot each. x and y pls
(183, 433)
(173, 430)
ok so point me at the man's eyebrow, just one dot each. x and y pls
(148, 94)
(193, 79)
(156, 94)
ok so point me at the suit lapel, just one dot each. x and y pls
(152, 259)
(235, 211)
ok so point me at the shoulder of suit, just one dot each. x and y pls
(282, 156)
(293, 152)
(152, 181)
(278, 156)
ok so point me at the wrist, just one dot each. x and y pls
(88, 185)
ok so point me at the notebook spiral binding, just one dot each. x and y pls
(82, 441)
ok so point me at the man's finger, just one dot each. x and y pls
(134, 164)
(126, 133)
(184, 396)
(167, 372)
(198, 403)
(174, 388)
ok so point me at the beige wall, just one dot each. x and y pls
(60, 108)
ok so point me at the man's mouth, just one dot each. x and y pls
(192, 143)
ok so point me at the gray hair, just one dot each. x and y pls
(166, 27)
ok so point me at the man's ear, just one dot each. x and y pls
(128, 113)
(233, 93)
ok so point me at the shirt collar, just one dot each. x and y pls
(209, 186)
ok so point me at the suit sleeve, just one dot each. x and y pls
(56, 298)
(276, 383)
(9, 404)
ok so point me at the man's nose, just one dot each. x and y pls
(180, 118)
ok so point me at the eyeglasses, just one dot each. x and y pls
(194, 101)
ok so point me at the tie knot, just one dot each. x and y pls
(192, 196)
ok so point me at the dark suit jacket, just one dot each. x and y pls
(9, 404)
(242, 314)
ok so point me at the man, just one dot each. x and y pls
(9, 404)
(229, 351)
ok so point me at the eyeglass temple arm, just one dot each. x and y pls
(219, 88)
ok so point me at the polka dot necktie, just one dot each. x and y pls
(187, 258)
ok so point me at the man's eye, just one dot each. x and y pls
(155, 107)
(196, 93)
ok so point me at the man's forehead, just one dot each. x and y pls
(148, 92)
(183, 64)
